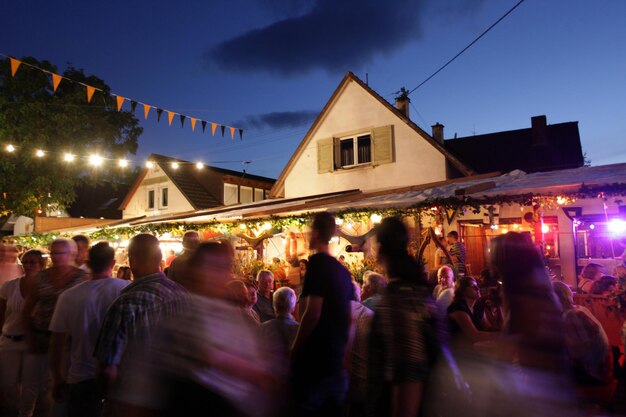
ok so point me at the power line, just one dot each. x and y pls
(468, 46)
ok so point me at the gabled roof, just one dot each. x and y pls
(194, 184)
(514, 149)
(280, 182)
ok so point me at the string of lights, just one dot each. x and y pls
(97, 160)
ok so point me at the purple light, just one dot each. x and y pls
(617, 227)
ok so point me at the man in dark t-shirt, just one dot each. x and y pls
(318, 352)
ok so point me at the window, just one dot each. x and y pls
(355, 149)
(164, 197)
(245, 194)
(231, 194)
(258, 194)
(151, 199)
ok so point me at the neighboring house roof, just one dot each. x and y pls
(194, 184)
(520, 149)
(278, 188)
(94, 201)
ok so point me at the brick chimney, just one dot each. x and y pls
(403, 101)
(539, 130)
(438, 132)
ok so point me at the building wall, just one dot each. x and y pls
(415, 161)
(156, 180)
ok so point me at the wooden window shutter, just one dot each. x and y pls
(337, 153)
(382, 145)
(325, 159)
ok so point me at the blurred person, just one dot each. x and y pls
(444, 291)
(302, 263)
(82, 252)
(457, 253)
(150, 298)
(191, 240)
(604, 286)
(124, 272)
(533, 350)
(9, 267)
(587, 343)
(14, 363)
(374, 284)
(279, 333)
(171, 255)
(206, 360)
(76, 321)
(489, 307)
(487, 280)
(591, 273)
(358, 366)
(243, 296)
(318, 353)
(402, 329)
(42, 295)
(465, 320)
(263, 306)
(278, 270)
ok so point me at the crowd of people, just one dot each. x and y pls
(187, 337)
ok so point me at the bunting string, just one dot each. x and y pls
(121, 100)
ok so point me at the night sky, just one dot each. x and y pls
(269, 66)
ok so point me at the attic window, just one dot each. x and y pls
(366, 148)
(357, 149)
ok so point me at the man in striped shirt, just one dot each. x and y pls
(457, 252)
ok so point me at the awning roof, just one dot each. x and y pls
(513, 183)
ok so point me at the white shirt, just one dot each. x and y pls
(79, 313)
(444, 299)
(10, 292)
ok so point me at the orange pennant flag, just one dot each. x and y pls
(146, 110)
(193, 123)
(56, 80)
(90, 91)
(213, 127)
(15, 64)
(120, 102)
(170, 117)
(232, 133)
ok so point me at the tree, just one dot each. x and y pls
(33, 117)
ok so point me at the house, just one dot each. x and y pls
(540, 148)
(360, 141)
(169, 185)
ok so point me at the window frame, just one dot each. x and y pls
(151, 191)
(233, 187)
(167, 197)
(354, 138)
(243, 188)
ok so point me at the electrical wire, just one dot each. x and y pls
(468, 46)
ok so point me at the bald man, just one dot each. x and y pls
(140, 307)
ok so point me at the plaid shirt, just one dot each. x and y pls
(139, 308)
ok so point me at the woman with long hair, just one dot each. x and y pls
(465, 320)
(532, 351)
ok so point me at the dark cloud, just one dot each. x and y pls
(334, 35)
(278, 120)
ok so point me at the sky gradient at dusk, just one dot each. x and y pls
(269, 66)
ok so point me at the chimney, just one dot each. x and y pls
(438, 132)
(539, 130)
(403, 101)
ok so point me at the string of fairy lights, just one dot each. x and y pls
(97, 160)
